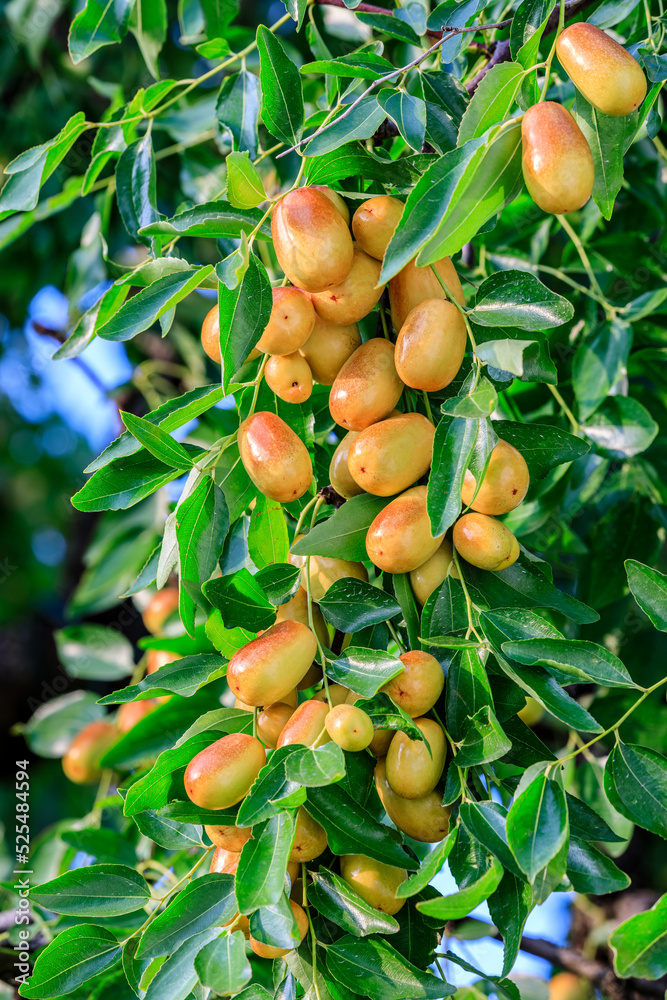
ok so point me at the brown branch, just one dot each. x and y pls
(501, 53)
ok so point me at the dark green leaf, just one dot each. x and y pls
(585, 824)
(168, 833)
(487, 822)
(649, 589)
(459, 904)
(237, 109)
(261, 872)
(282, 93)
(571, 660)
(452, 448)
(149, 304)
(184, 676)
(408, 114)
(96, 25)
(607, 138)
(468, 690)
(635, 780)
(364, 671)
(135, 187)
(202, 522)
(384, 714)
(591, 871)
(176, 977)
(429, 867)
(343, 535)
(77, 954)
(97, 891)
(445, 610)
(391, 26)
(94, 652)
(280, 582)
(600, 361)
(337, 901)
(620, 428)
(351, 604)
(509, 907)
(222, 965)
(518, 298)
(527, 28)
(640, 944)
(543, 447)
(537, 825)
(241, 601)
(377, 969)
(483, 740)
(275, 925)
(361, 123)
(270, 787)
(157, 441)
(244, 313)
(215, 219)
(204, 903)
(406, 599)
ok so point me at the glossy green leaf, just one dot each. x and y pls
(586, 824)
(244, 184)
(483, 740)
(468, 691)
(543, 446)
(571, 660)
(384, 714)
(429, 867)
(477, 404)
(77, 955)
(636, 784)
(351, 604)
(375, 967)
(364, 671)
(640, 944)
(620, 428)
(459, 904)
(184, 676)
(336, 900)
(157, 441)
(98, 24)
(493, 100)
(343, 535)
(527, 28)
(282, 92)
(600, 361)
(268, 790)
(360, 123)
(202, 522)
(261, 872)
(237, 109)
(205, 903)
(97, 891)
(176, 976)
(537, 825)
(135, 185)
(215, 219)
(518, 298)
(169, 833)
(607, 138)
(268, 541)
(509, 907)
(391, 26)
(244, 313)
(356, 65)
(452, 448)
(140, 312)
(591, 871)
(222, 965)
(445, 610)
(275, 924)
(407, 112)
(487, 823)
(241, 601)
(280, 581)
(649, 589)
(32, 168)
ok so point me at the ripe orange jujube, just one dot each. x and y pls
(556, 160)
(420, 685)
(367, 388)
(411, 771)
(399, 539)
(374, 881)
(291, 322)
(602, 70)
(355, 296)
(389, 456)
(224, 862)
(290, 377)
(296, 609)
(311, 240)
(505, 482)
(274, 457)
(428, 577)
(306, 726)
(160, 607)
(269, 668)
(340, 476)
(485, 542)
(335, 199)
(133, 712)
(269, 950)
(221, 775)
(431, 345)
(350, 727)
(81, 763)
(230, 838)
(328, 348)
(374, 222)
(271, 721)
(414, 284)
(425, 819)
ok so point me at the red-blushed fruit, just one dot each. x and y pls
(556, 159)
(349, 727)
(431, 345)
(389, 456)
(230, 838)
(607, 75)
(414, 284)
(156, 658)
(504, 485)
(296, 609)
(425, 819)
(335, 199)
(367, 388)
(271, 721)
(399, 539)
(420, 685)
(224, 862)
(133, 712)
(311, 240)
(309, 838)
(268, 950)
(160, 607)
(289, 377)
(340, 476)
(81, 763)
(374, 222)
(328, 348)
(221, 774)
(291, 322)
(269, 668)
(413, 772)
(355, 296)
(306, 726)
(428, 577)
(274, 457)
(484, 542)
(374, 881)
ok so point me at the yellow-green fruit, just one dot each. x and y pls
(229, 838)
(367, 388)
(133, 712)
(411, 771)
(269, 668)
(431, 345)
(420, 685)
(381, 742)
(81, 763)
(325, 570)
(387, 457)
(349, 727)
(374, 881)
(335, 199)
(271, 721)
(290, 377)
(290, 324)
(531, 713)
(274, 457)
(399, 539)
(414, 284)
(309, 839)
(484, 542)
(355, 296)
(374, 222)
(314, 675)
(160, 607)
(602, 70)
(296, 609)
(268, 950)
(307, 726)
(556, 160)
(340, 476)
(425, 819)
(328, 348)
(337, 693)
(221, 775)
(428, 577)
(224, 862)
(505, 482)
(311, 240)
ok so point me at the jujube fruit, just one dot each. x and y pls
(485, 542)
(325, 571)
(269, 667)
(374, 222)
(274, 457)
(290, 377)
(367, 388)
(133, 712)
(290, 324)
(340, 476)
(414, 284)
(431, 345)
(381, 742)
(224, 862)
(81, 763)
(425, 819)
(306, 726)
(311, 240)
(338, 694)
(314, 675)
(389, 456)
(210, 336)
(428, 577)
(374, 881)
(400, 539)
(160, 607)
(229, 838)
(221, 775)
(355, 296)
(271, 721)
(505, 482)
(350, 727)
(602, 70)
(156, 658)
(417, 689)
(328, 348)
(556, 160)
(413, 772)
(296, 609)
(309, 838)
(269, 950)
(335, 199)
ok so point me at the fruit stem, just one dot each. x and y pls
(585, 261)
(565, 408)
(552, 53)
(258, 382)
(396, 636)
(302, 515)
(383, 320)
(313, 941)
(469, 605)
(427, 405)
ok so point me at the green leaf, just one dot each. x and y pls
(429, 867)
(445, 611)
(518, 298)
(476, 405)
(280, 581)
(546, 689)
(268, 790)
(157, 441)
(215, 219)
(169, 833)
(205, 903)
(237, 109)
(32, 168)
(361, 123)
(468, 690)
(364, 671)
(184, 676)
(275, 924)
(135, 186)
(585, 824)
(591, 871)
(384, 714)
(537, 825)
(408, 604)
(99, 23)
(527, 29)
(261, 873)
(608, 138)
(148, 24)
(484, 740)
(356, 65)
(76, 955)
(635, 780)
(509, 907)
(377, 969)
(599, 362)
(487, 823)
(351, 829)
(244, 184)
(390, 25)
(620, 428)
(312, 768)
(176, 976)
(571, 661)
(493, 100)
(408, 114)
(234, 482)
(282, 92)
(202, 523)
(244, 312)
(241, 601)
(97, 891)
(350, 160)
(645, 304)
(640, 944)
(222, 965)
(336, 900)
(459, 904)
(452, 447)
(123, 482)
(148, 305)
(351, 604)
(543, 446)
(94, 652)
(104, 845)
(343, 535)
(649, 589)
(447, 92)
(268, 541)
